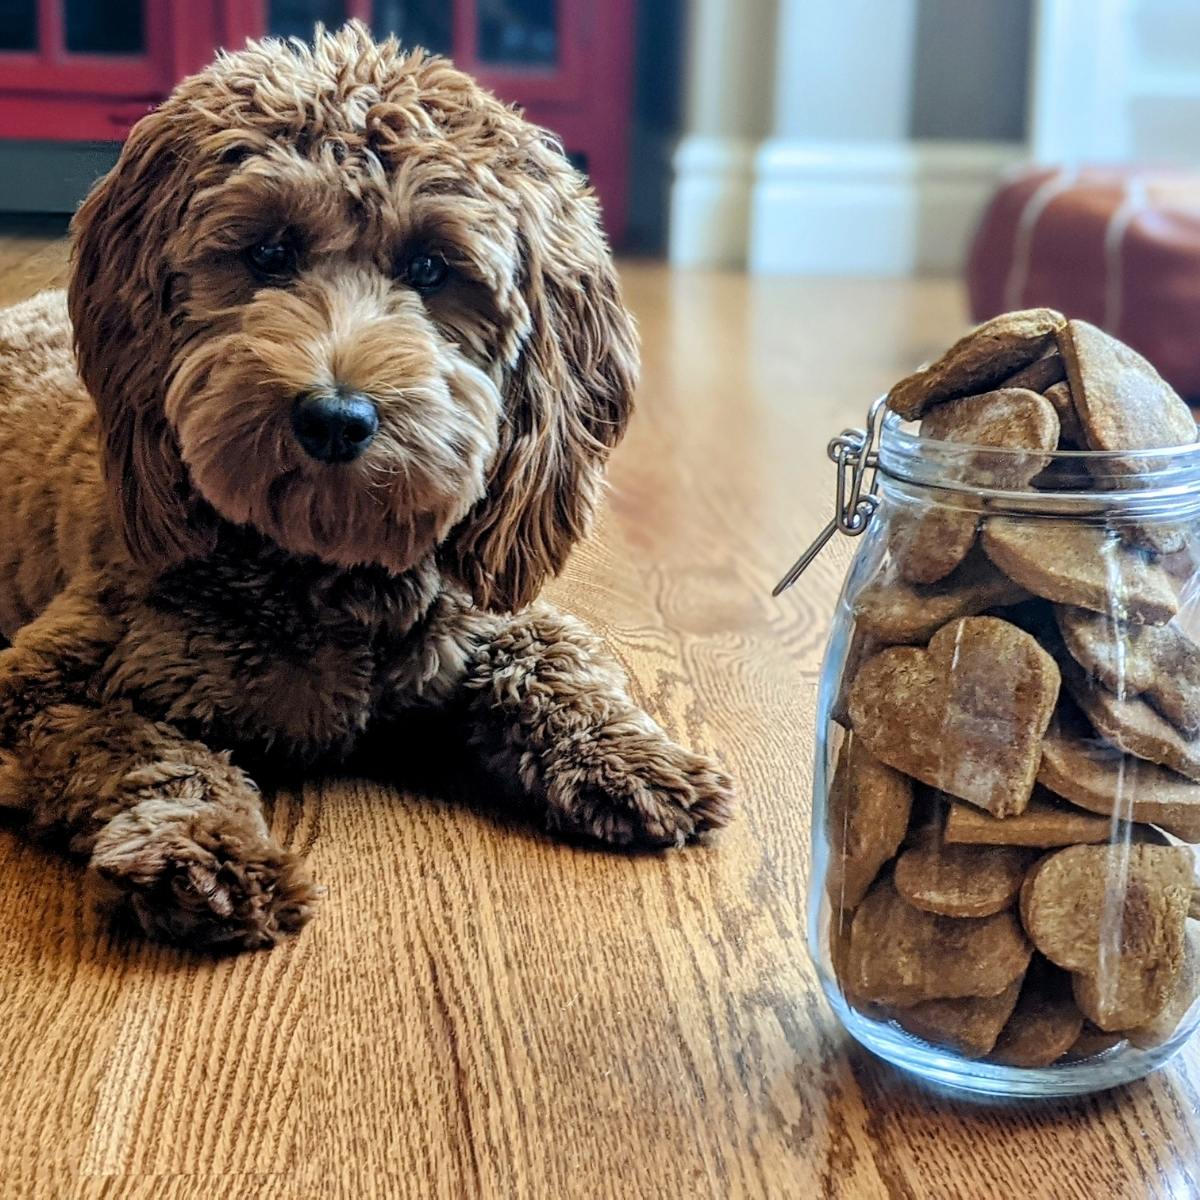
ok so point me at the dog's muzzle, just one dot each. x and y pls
(334, 427)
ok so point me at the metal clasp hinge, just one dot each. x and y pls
(856, 453)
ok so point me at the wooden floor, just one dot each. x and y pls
(481, 1012)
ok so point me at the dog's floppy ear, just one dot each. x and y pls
(119, 296)
(568, 397)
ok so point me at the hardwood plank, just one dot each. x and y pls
(480, 1011)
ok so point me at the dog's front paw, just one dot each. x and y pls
(631, 786)
(205, 877)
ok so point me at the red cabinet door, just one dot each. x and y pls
(85, 70)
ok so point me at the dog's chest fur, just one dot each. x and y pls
(252, 650)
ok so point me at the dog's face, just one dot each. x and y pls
(348, 298)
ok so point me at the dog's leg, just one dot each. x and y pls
(549, 708)
(174, 827)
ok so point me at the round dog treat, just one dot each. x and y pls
(961, 881)
(902, 956)
(1157, 662)
(1132, 725)
(1041, 374)
(1066, 902)
(966, 716)
(1046, 823)
(1185, 993)
(928, 541)
(1045, 1023)
(1095, 775)
(979, 361)
(1083, 565)
(1071, 435)
(967, 1027)
(1007, 419)
(869, 806)
(1114, 916)
(1122, 401)
(896, 613)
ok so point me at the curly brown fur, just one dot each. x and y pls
(181, 581)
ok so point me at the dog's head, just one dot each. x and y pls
(345, 296)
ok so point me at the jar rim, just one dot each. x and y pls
(1162, 479)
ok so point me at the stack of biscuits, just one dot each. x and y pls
(1012, 807)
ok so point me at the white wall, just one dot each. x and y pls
(865, 136)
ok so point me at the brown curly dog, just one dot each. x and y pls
(349, 355)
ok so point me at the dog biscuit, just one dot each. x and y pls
(895, 613)
(1044, 824)
(1159, 663)
(1081, 565)
(1095, 775)
(1125, 947)
(968, 1027)
(1041, 374)
(869, 807)
(1008, 419)
(961, 881)
(979, 361)
(1121, 400)
(1131, 725)
(1046, 1021)
(900, 955)
(928, 541)
(1093, 1042)
(1063, 403)
(966, 716)
(1185, 993)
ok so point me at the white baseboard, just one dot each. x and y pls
(710, 202)
(845, 209)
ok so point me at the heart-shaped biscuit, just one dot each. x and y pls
(1159, 663)
(1132, 725)
(1046, 823)
(867, 817)
(966, 716)
(895, 613)
(961, 881)
(967, 1027)
(1084, 565)
(981, 360)
(901, 956)
(1114, 916)
(1093, 774)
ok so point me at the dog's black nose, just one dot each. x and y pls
(334, 427)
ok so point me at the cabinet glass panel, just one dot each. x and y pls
(518, 33)
(110, 27)
(18, 24)
(296, 18)
(428, 23)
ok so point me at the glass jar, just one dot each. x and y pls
(1007, 779)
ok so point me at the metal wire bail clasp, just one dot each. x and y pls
(856, 452)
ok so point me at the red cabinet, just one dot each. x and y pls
(84, 70)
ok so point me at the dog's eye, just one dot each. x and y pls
(425, 272)
(272, 260)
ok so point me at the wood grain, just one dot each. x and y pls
(480, 1011)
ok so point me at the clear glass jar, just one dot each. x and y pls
(1007, 781)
